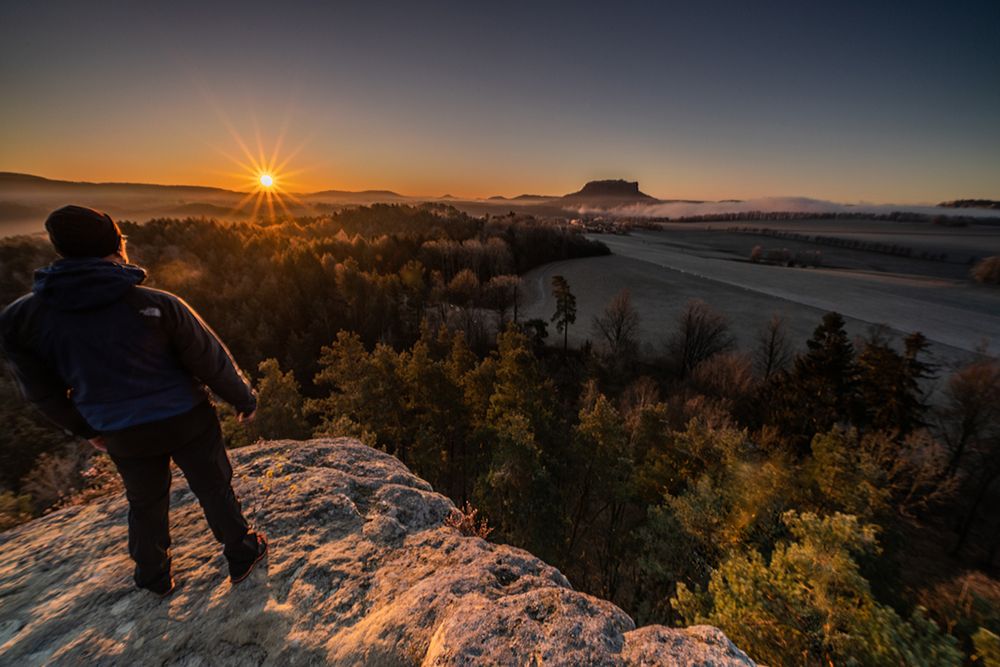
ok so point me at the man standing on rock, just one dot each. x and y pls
(125, 367)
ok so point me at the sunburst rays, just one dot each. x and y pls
(268, 180)
(266, 177)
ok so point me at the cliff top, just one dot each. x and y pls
(363, 570)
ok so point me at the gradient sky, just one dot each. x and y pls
(838, 100)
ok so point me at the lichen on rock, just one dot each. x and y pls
(363, 570)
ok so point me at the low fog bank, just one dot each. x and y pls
(684, 209)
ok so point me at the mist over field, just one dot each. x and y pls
(680, 209)
(25, 201)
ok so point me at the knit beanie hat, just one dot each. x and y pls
(76, 231)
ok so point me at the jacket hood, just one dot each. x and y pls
(85, 283)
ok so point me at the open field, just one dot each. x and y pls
(664, 269)
(960, 245)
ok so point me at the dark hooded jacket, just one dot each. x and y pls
(97, 352)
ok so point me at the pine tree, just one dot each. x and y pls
(437, 422)
(603, 486)
(364, 392)
(280, 412)
(889, 383)
(565, 314)
(822, 388)
(518, 491)
(809, 603)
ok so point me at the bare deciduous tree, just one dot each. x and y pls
(502, 296)
(971, 413)
(701, 334)
(970, 424)
(773, 351)
(727, 376)
(618, 327)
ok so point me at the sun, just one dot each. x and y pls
(267, 187)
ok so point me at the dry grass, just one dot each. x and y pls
(467, 522)
(987, 271)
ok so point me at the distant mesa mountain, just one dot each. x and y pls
(615, 192)
(971, 203)
(595, 193)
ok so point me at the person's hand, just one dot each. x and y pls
(246, 419)
(99, 444)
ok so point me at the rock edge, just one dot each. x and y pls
(363, 570)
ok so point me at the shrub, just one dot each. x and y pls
(55, 477)
(987, 271)
(14, 510)
(467, 522)
(100, 479)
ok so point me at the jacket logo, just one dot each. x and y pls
(152, 311)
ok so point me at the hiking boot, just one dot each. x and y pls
(241, 569)
(162, 587)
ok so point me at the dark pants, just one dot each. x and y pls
(142, 455)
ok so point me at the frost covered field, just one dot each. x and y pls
(663, 269)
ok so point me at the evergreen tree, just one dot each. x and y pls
(602, 489)
(280, 411)
(518, 491)
(436, 423)
(565, 314)
(889, 383)
(809, 603)
(822, 388)
(363, 393)
(845, 477)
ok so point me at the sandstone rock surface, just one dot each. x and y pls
(363, 571)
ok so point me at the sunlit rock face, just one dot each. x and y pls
(363, 571)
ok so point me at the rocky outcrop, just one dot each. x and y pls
(363, 570)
